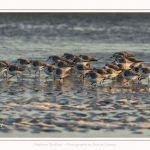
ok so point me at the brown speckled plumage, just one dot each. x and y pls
(88, 58)
(82, 67)
(23, 61)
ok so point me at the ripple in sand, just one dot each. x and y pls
(36, 131)
(83, 131)
(63, 101)
(50, 115)
(6, 130)
(50, 130)
(18, 120)
(71, 128)
(35, 120)
(79, 114)
(142, 119)
(22, 129)
(122, 101)
(137, 132)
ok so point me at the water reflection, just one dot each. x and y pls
(68, 84)
(72, 96)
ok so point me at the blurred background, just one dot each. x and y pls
(24, 34)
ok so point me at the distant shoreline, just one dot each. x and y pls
(70, 15)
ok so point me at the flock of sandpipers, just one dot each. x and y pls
(124, 65)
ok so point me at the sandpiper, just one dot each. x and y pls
(68, 62)
(14, 70)
(116, 57)
(122, 66)
(68, 56)
(112, 73)
(79, 60)
(3, 68)
(102, 72)
(119, 78)
(63, 64)
(37, 65)
(5, 62)
(142, 66)
(145, 73)
(130, 75)
(124, 61)
(48, 69)
(113, 66)
(125, 54)
(94, 77)
(54, 59)
(81, 69)
(24, 63)
(134, 60)
(135, 69)
(59, 73)
(87, 57)
(131, 59)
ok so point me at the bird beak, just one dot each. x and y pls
(121, 70)
(44, 65)
(84, 77)
(47, 59)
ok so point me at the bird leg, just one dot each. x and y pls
(92, 83)
(103, 81)
(4, 73)
(141, 78)
(11, 76)
(81, 75)
(72, 70)
(17, 76)
(29, 71)
(126, 81)
(47, 77)
(22, 77)
(54, 78)
(148, 81)
(60, 79)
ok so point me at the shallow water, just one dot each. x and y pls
(36, 107)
